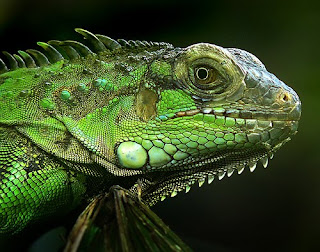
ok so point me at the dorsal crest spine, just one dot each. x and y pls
(55, 50)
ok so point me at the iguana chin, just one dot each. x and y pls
(76, 119)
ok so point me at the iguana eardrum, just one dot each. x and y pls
(76, 119)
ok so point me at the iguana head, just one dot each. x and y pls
(204, 112)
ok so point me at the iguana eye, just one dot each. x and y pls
(202, 73)
(209, 73)
(205, 75)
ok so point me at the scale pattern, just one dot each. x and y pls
(76, 119)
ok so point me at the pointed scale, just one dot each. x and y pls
(53, 54)
(30, 63)
(3, 67)
(201, 181)
(69, 50)
(174, 193)
(79, 47)
(221, 174)
(252, 166)
(240, 169)
(13, 64)
(230, 172)
(264, 161)
(20, 61)
(39, 57)
(210, 178)
(95, 43)
(110, 43)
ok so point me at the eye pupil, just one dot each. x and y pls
(202, 73)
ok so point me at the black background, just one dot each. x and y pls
(276, 209)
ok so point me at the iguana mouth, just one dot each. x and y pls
(289, 114)
(218, 165)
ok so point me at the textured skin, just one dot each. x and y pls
(146, 116)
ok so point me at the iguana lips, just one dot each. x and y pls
(293, 115)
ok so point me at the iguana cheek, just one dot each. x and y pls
(131, 155)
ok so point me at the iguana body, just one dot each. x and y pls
(75, 120)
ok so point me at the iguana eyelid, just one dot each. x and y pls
(229, 75)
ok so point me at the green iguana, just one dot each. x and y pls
(77, 119)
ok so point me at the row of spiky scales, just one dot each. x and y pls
(55, 50)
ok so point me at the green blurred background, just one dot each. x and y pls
(276, 209)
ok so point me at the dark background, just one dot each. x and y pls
(276, 209)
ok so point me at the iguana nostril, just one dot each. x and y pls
(285, 97)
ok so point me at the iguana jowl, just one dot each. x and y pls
(77, 119)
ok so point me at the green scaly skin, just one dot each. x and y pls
(75, 120)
